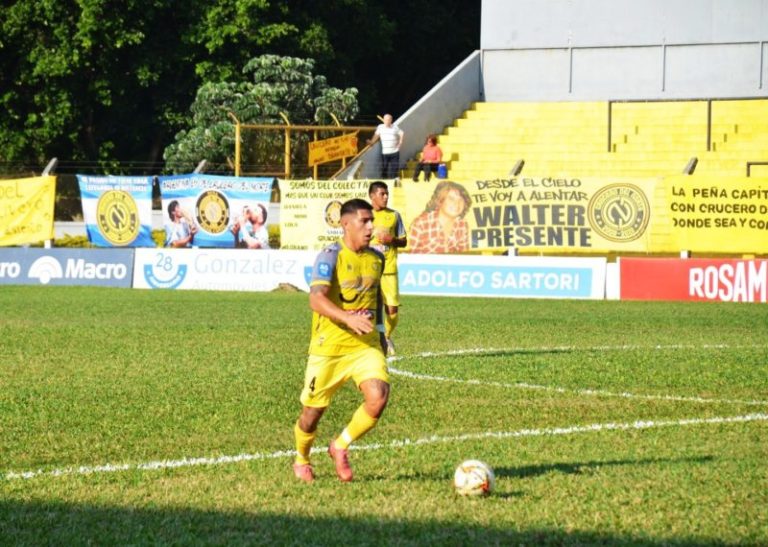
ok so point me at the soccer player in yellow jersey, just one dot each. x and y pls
(388, 237)
(347, 339)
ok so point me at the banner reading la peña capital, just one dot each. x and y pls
(26, 210)
(117, 210)
(220, 211)
(717, 214)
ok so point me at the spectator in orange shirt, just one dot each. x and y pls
(441, 228)
(431, 156)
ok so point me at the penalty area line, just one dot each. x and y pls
(564, 349)
(434, 439)
(567, 349)
(590, 392)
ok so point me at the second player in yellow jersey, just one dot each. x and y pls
(388, 236)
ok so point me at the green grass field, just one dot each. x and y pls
(154, 417)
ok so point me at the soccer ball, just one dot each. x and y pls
(473, 478)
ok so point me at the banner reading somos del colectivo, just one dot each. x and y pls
(310, 211)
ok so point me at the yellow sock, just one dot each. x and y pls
(390, 322)
(304, 443)
(360, 424)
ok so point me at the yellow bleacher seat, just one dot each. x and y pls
(571, 138)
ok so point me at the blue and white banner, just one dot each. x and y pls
(117, 210)
(221, 269)
(95, 267)
(215, 211)
(500, 276)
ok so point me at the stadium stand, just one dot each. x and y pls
(616, 139)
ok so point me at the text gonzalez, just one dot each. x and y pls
(263, 263)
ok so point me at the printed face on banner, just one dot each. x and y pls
(537, 213)
(216, 211)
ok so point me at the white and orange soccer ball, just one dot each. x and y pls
(473, 478)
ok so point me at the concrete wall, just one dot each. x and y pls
(624, 49)
(438, 108)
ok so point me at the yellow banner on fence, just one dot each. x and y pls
(310, 211)
(26, 210)
(716, 214)
(332, 149)
(540, 214)
(548, 215)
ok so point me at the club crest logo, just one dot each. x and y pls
(118, 217)
(619, 212)
(333, 214)
(212, 211)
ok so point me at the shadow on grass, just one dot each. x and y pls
(27, 523)
(576, 468)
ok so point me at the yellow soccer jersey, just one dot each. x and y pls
(354, 281)
(388, 221)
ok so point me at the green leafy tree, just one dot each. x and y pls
(272, 85)
(105, 86)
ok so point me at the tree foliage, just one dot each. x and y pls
(107, 85)
(277, 85)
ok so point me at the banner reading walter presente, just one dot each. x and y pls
(216, 207)
(310, 211)
(713, 214)
(531, 213)
(117, 210)
(26, 210)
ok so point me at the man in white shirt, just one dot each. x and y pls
(391, 138)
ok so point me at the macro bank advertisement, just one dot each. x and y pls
(95, 267)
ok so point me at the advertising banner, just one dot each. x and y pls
(713, 214)
(529, 213)
(237, 270)
(221, 269)
(216, 211)
(310, 211)
(700, 279)
(26, 210)
(97, 267)
(117, 210)
(500, 276)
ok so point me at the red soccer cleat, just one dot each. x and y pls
(341, 459)
(303, 472)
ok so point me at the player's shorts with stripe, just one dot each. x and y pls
(390, 290)
(326, 374)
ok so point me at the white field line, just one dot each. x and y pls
(556, 389)
(434, 439)
(565, 349)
